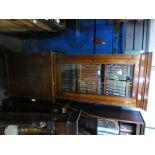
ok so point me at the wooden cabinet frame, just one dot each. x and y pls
(47, 84)
(142, 66)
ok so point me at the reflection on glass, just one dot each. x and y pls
(119, 80)
(89, 78)
(111, 79)
(81, 78)
(68, 77)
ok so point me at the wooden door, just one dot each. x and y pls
(30, 75)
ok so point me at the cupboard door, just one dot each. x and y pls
(30, 75)
(103, 79)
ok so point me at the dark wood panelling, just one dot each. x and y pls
(122, 115)
(30, 75)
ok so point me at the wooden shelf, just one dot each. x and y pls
(26, 25)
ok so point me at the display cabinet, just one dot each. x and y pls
(121, 80)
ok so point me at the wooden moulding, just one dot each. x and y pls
(99, 56)
(141, 80)
(135, 80)
(100, 99)
(98, 59)
(147, 79)
(144, 76)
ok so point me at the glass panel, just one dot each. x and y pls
(89, 79)
(85, 78)
(68, 77)
(119, 80)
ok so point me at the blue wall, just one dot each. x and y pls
(78, 37)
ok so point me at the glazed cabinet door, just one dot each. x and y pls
(103, 79)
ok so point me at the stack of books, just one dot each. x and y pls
(107, 127)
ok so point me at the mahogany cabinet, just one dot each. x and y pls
(121, 80)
